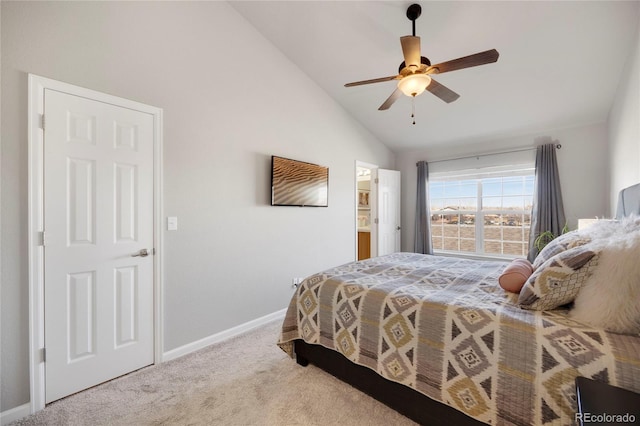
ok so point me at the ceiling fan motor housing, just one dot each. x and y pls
(423, 60)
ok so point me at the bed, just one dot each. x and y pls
(438, 340)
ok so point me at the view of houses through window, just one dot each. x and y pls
(483, 214)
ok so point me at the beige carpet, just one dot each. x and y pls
(247, 380)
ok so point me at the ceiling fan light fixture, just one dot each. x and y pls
(414, 84)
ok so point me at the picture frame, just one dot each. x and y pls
(363, 199)
(298, 183)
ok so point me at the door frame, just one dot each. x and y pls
(35, 135)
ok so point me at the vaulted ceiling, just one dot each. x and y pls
(560, 61)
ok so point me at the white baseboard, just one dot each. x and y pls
(14, 414)
(223, 335)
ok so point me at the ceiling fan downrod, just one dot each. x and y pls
(413, 12)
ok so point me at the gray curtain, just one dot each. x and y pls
(422, 242)
(548, 212)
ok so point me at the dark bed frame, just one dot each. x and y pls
(405, 400)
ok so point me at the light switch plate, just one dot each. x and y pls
(172, 223)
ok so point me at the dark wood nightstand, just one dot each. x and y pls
(602, 404)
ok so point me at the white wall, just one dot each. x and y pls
(230, 101)
(624, 128)
(582, 164)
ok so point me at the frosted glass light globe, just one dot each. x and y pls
(414, 84)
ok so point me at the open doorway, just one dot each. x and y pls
(365, 202)
(377, 206)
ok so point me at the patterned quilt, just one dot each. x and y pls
(444, 327)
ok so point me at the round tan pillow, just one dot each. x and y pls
(515, 275)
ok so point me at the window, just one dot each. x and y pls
(487, 212)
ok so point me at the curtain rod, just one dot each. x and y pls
(558, 146)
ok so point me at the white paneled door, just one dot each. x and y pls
(388, 204)
(98, 242)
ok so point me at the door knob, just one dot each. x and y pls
(141, 253)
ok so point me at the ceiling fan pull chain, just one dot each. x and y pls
(413, 109)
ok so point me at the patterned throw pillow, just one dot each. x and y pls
(558, 245)
(557, 281)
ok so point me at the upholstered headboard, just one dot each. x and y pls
(628, 201)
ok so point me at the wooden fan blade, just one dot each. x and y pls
(481, 58)
(390, 100)
(375, 80)
(443, 92)
(411, 50)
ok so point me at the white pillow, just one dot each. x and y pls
(610, 297)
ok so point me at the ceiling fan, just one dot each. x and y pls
(414, 74)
